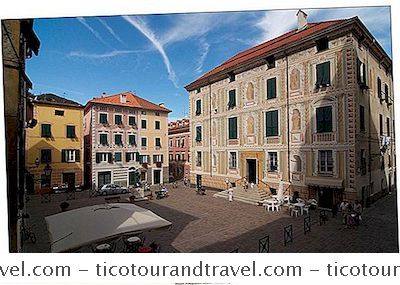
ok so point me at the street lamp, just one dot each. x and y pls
(47, 170)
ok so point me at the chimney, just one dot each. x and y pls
(103, 94)
(301, 20)
(161, 105)
(123, 98)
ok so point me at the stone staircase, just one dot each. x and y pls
(251, 196)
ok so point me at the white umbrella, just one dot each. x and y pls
(75, 228)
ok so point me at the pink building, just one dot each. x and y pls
(179, 148)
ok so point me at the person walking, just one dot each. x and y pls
(230, 194)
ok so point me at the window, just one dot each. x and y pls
(361, 74)
(323, 74)
(183, 156)
(144, 124)
(103, 139)
(183, 142)
(386, 93)
(144, 141)
(324, 119)
(325, 162)
(157, 113)
(171, 157)
(177, 141)
(157, 125)
(322, 44)
(232, 160)
(104, 157)
(271, 88)
(272, 161)
(198, 134)
(103, 119)
(198, 158)
(158, 158)
(231, 76)
(45, 155)
(178, 157)
(118, 119)
(132, 121)
(363, 162)
(117, 156)
(271, 123)
(232, 125)
(132, 139)
(70, 155)
(158, 142)
(71, 132)
(170, 143)
(144, 158)
(59, 112)
(381, 125)
(130, 156)
(270, 62)
(118, 139)
(46, 130)
(198, 107)
(231, 98)
(362, 119)
(388, 127)
(379, 88)
(143, 112)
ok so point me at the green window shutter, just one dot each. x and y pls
(379, 88)
(158, 142)
(103, 139)
(77, 155)
(137, 156)
(117, 156)
(324, 119)
(323, 74)
(148, 159)
(154, 158)
(118, 119)
(144, 142)
(359, 71)
(362, 119)
(109, 157)
(71, 132)
(103, 118)
(132, 140)
(46, 130)
(118, 139)
(127, 156)
(198, 107)
(97, 157)
(233, 128)
(232, 98)
(63, 154)
(132, 121)
(198, 133)
(157, 125)
(271, 88)
(272, 123)
(144, 124)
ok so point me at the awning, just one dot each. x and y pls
(83, 226)
(324, 182)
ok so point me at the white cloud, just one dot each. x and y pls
(203, 54)
(110, 30)
(95, 33)
(141, 25)
(102, 55)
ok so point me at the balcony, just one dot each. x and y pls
(324, 137)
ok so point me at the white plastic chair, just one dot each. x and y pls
(270, 207)
(306, 209)
(294, 212)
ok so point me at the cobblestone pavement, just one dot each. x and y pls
(208, 224)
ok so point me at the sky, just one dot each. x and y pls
(155, 56)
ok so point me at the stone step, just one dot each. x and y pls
(251, 196)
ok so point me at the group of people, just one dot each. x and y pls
(351, 213)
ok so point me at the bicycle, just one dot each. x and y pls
(26, 232)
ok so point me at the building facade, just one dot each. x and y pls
(126, 140)
(19, 42)
(311, 108)
(55, 143)
(179, 148)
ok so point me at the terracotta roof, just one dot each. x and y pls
(267, 47)
(131, 101)
(54, 99)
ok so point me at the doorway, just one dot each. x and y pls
(251, 170)
(104, 177)
(157, 176)
(69, 178)
(325, 197)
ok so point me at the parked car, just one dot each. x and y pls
(111, 189)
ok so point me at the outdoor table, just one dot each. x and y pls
(132, 244)
(104, 247)
(145, 249)
(300, 205)
(133, 239)
(270, 202)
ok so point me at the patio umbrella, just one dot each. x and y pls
(75, 228)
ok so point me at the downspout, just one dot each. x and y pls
(369, 139)
(287, 116)
(210, 139)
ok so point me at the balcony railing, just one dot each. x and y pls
(324, 137)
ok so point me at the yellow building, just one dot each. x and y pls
(55, 145)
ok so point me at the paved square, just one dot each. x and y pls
(208, 224)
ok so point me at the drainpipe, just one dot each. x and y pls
(287, 116)
(369, 139)
(210, 139)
